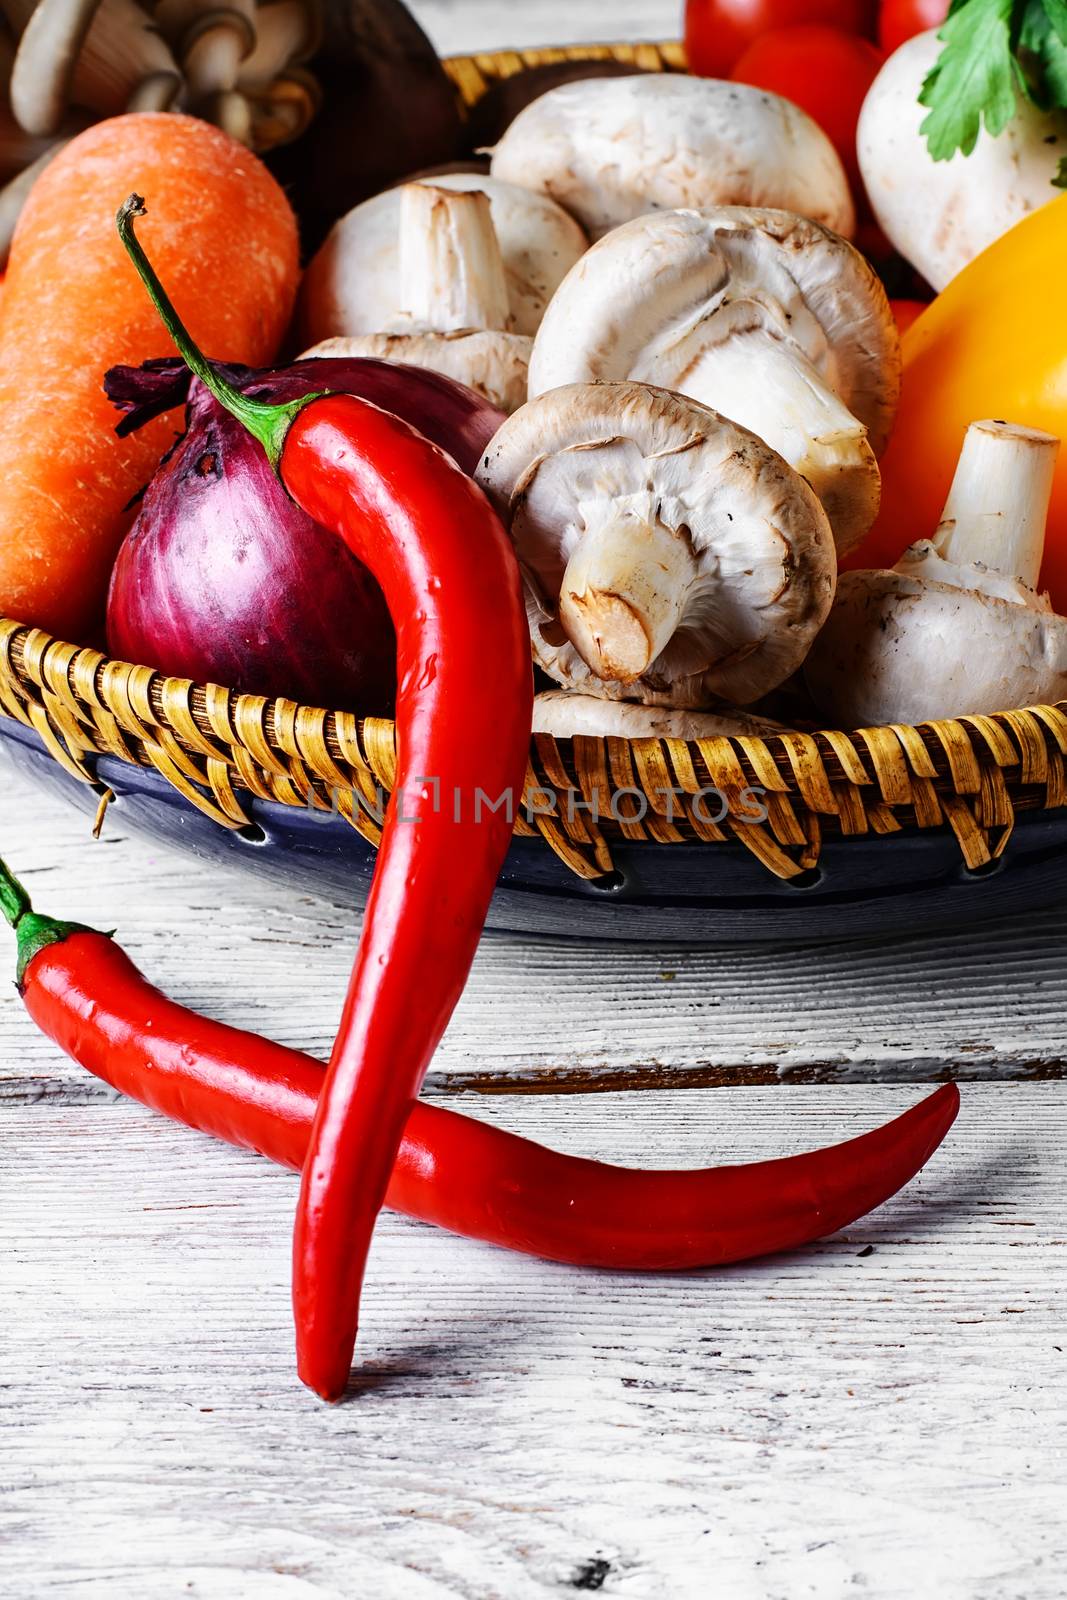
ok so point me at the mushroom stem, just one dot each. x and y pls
(286, 32)
(623, 593)
(996, 509)
(211, 60)
(770, 386)
(47, 55)
(668, 555)
(451, 269)
(282, 110)
(157, 92)
(91, 53)
(231, 111)
(956, 628)
(211, 39)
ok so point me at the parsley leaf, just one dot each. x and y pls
(1056, 12)
(973, 80)
(992, 50)
(1044, 53)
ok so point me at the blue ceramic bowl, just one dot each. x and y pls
(863, 887)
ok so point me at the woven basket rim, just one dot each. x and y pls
(472, 72)
(970, 774)
(23, 642)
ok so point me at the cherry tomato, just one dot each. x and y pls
(905, 312)
(718, 32)
(824, 71)
(900, 20)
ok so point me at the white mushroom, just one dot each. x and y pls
(761, 314)
(19, 150)
(565, 715)
(613, 148)
(283, 108)
(94, 53)
(941, 214)
(352, 284)
(956, 628)
(493, 364)
(668, 556)
(230, 110)
(210, 39)
(287, 32)
(454, 294)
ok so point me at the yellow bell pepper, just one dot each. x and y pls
(993, 344)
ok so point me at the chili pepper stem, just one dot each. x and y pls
(33, 931)
(267, 423)
(14, 901)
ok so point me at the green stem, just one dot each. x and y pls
(265, 422)
(14, 901)
(33, 931)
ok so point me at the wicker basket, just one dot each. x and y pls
(218, 748)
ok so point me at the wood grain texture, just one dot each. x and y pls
(983, 1002)
(458, 26)
(881, 1414)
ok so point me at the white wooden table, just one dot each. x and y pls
(882, 1415)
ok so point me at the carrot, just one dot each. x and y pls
(223, 235)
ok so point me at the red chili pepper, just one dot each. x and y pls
(463, 713)
(86, 995)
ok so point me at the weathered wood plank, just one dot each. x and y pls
(983, 1002)
(468, 25)
(826, 1423)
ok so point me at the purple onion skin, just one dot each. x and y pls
(223, 579)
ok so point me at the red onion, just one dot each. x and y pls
(223, 579)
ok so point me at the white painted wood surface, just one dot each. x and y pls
(828, 1424)
(456, 26)
(825, 1424)
(980, 1002)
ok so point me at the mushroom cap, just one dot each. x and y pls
(587, 460)
(941, 214)
(613, 148)
(493, 364)
(872, 662)
(649, 297)
(90, 53)
(564, 714)
(759, 313)
(352, 283)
